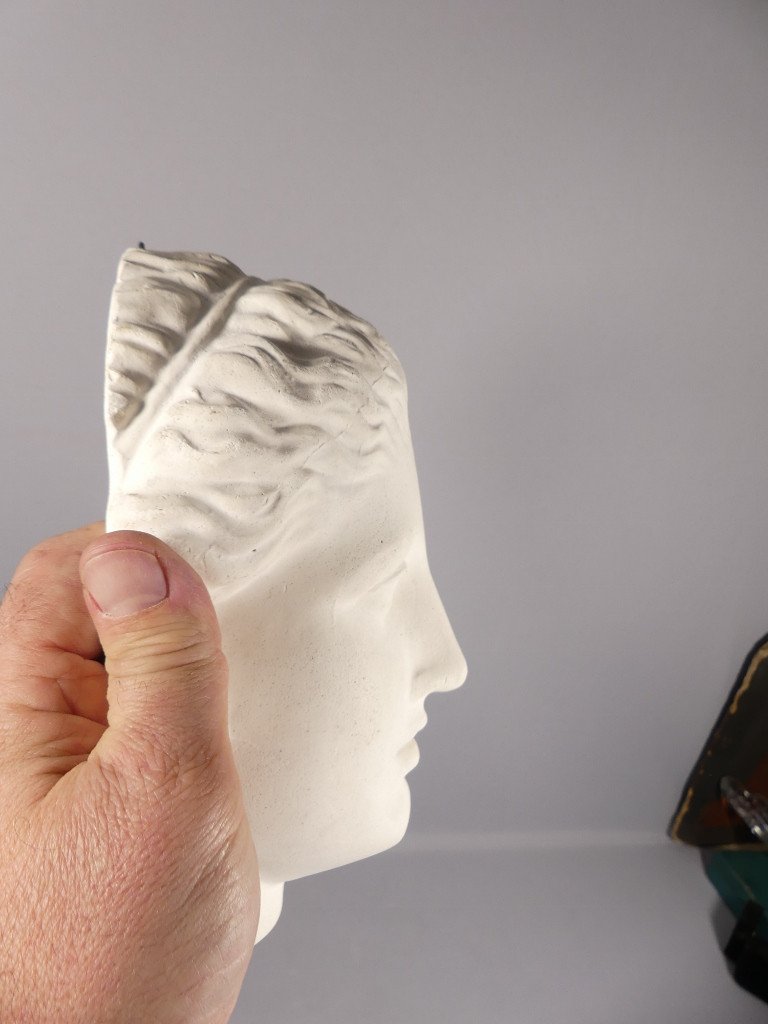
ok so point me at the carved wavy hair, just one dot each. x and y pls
(236, 407)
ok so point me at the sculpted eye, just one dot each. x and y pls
(385, 586)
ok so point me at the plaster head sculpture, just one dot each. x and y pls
(261, 430)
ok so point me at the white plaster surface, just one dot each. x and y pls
(261, 431)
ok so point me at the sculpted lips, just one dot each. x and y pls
(421, 724)
(409, 754)
(417, 726)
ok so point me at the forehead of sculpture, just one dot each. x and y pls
(380, 528)
(358, 541)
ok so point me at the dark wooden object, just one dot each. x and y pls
(737, 746)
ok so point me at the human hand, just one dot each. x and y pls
(129, 889)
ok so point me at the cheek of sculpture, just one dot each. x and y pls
(320, 707)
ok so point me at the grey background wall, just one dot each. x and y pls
(556, 213)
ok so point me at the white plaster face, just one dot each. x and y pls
(331, 660)
(262, 431)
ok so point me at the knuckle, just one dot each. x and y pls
(26, 593)
(168, 647)
(36, 564)
(18, 610)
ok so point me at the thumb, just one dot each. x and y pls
(167, 676)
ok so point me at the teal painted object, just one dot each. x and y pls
(740, 877)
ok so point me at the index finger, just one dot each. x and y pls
(43, 608)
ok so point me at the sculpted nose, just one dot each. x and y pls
(457, 675)
(442, 666)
